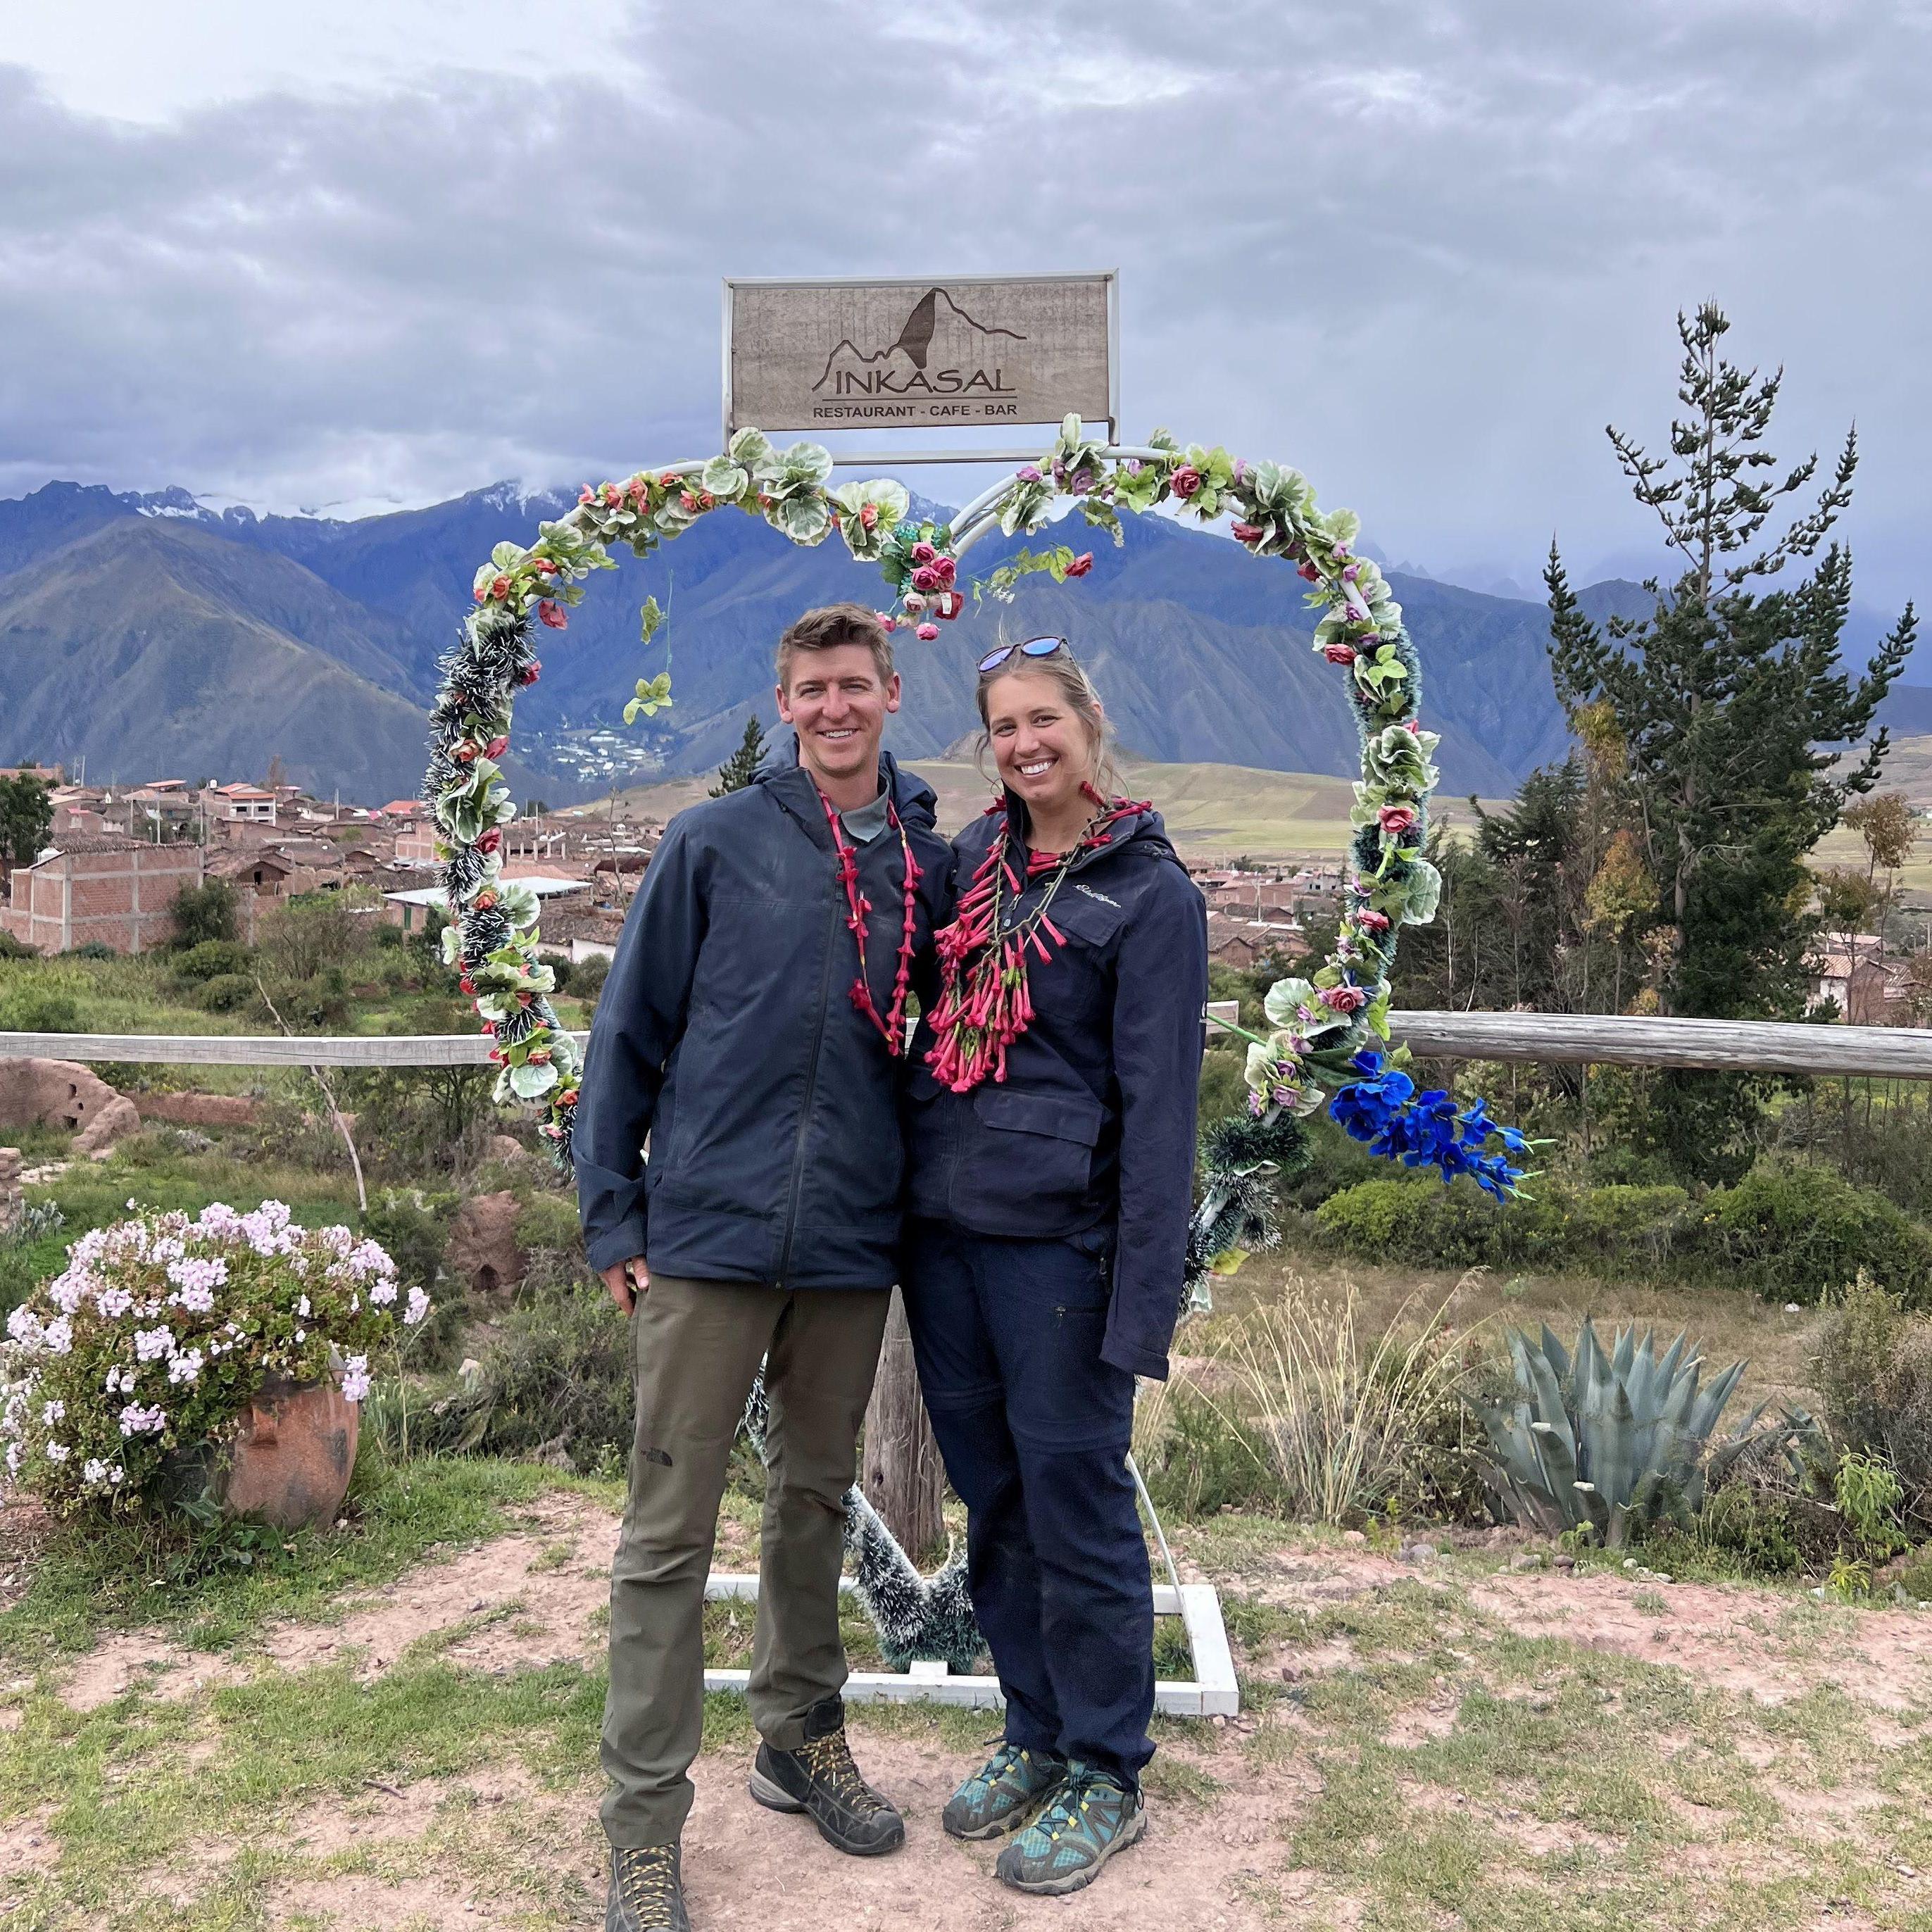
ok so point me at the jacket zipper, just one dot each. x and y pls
(811, 1090)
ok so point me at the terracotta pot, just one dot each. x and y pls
(290, 1464)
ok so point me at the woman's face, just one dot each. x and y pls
(1043, 750)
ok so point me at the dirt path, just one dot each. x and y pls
(497, 1845)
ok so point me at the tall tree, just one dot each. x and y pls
(1728, 698)
(26, 820)
(742, 766)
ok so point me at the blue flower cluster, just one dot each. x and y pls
(1426, 1129)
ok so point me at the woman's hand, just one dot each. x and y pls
(627, 1280)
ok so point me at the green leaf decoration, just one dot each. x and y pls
(1424, 893)
(527, 1081)
(649, 617)
(653, 696)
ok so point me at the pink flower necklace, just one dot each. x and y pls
(892, 1026)
(985, 1003)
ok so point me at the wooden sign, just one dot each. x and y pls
(819, 356)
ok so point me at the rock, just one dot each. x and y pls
(504, 1147)
(483, 1250)
(199, 1110)
(1527, 1559)
(1417, 1553)
(51, 1093)
(1354, 1539)
(1564, 1560)
(114, 1121)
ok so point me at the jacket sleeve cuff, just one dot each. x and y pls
(619, 1244)
(1118, 1353)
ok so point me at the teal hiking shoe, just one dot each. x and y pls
(1004, 1793)
(1090, 1818)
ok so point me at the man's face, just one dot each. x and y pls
(838, 705)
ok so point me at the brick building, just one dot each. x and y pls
(102, 887)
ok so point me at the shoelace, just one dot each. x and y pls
(829, 1760)
(647, 1877)
(1002, 1761)
(1072, 1800)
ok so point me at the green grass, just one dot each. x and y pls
(93, 1577)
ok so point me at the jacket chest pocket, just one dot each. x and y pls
(1037, 1148)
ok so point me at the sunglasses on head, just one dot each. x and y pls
(1034, 647)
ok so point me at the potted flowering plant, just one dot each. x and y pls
(234, 1345)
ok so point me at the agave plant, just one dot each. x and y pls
(1609, 1443)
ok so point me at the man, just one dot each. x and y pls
(753, 1026)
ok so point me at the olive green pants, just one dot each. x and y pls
(695, 1347)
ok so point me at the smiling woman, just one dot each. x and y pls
(1324, 1029)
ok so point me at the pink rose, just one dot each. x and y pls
(465, 754)
(887, 619)
(1249, 533)
(531, 672)
(1081, 565)
(923, 553)
(1340, 552)
(551, 612)
(927, 578)
(914, 602)
(1186, 482)
(1028, 472)
(1344, 999)
(613, 496)
(1339, 653)
(1350, 572)
(1308, 571)
(1395, 818)
(495, 748)
(926, 633)
(868, 515)
(544, 565)
(539, 1056)
(1371, 921)
(490, 841)
(499, 588)
(947, 569)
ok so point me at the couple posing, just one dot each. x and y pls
(1022, 1169)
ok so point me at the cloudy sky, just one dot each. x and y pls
(391, 250)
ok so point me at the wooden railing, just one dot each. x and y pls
(1896, 1053)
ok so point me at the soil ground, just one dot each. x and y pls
(1470, 1736)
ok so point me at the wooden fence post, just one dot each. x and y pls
(901, 1471)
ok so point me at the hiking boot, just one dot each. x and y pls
(1092, 1817)
(646, 1890)
(1004, 1793)
(821, 1779)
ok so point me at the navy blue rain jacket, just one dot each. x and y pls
(726, 1032)
(1094, 1122)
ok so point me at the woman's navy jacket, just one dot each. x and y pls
(1094, 1122)
(726, 1032)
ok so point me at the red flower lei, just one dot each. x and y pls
(893, 1026)
(985, 1003)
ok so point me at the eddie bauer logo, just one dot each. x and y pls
(943, 363)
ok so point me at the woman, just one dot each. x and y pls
(1051, 1147)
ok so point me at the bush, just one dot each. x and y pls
(305, 935)
(11, 948)
(213, 957)
(432, 1119)
(227, 993)
(555, 1380)
(1871, 1363)
(32, 1010)
(161, 1329)
(587, 977)
(1413, 1220)
(91, 948)
(204, 913)
(1795, 1232)
(1196, 1461)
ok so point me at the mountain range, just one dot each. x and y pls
(157, 637)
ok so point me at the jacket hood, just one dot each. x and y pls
(916, 802)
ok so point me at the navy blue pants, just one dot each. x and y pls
(1034, 1429)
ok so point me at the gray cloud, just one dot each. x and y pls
(1424, 251)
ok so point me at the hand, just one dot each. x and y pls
(627, 1280)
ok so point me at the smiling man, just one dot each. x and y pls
(753, 1026)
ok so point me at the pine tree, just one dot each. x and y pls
(742, 766)
(1728, 699)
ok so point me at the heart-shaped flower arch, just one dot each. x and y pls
(1324, 1029)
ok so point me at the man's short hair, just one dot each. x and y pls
(830, 626)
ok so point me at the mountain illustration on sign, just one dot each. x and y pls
(939, 339)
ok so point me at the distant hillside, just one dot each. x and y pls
(1202, 653)
(1220, 809)
(157, 649)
